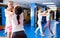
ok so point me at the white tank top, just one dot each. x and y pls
(8, 17)
(39, 17)
(15, 26)
(48, 16)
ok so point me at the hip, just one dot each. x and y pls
(19, 34)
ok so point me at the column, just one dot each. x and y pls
(32, 14)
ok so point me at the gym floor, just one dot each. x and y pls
(30, 31)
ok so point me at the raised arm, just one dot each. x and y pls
(43, 13)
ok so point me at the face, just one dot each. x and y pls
(10, 4)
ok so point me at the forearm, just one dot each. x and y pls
(43, 14)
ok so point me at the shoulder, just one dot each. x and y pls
(21, 14)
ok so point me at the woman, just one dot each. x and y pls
(40, 14)
(17, 23)
(48, 20)
(8, 15)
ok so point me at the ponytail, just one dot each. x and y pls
(18, 11)
(18, 19)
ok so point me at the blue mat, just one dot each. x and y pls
(30, 32)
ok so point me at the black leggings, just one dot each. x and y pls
(20, 34)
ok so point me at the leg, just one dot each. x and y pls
(37, 27)
(49, 27)
(41, 31)
(9, 31)
(36, 30)
(45, 27)
(9, 35)
(40, 27)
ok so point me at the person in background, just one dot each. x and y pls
(8, 15)
(40, 14)
(48, 20)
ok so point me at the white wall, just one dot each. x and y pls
(5, 1)
(22, 3)
(26, 3)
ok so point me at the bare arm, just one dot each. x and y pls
(43, 13)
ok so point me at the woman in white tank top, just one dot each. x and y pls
(8, 15)
(17, 23)
(48, 21)
(40, 14)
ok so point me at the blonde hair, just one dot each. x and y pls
(11, 2)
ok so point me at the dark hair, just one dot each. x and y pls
(18, 11)
(47, 8)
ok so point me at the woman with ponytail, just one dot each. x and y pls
(17, 23)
